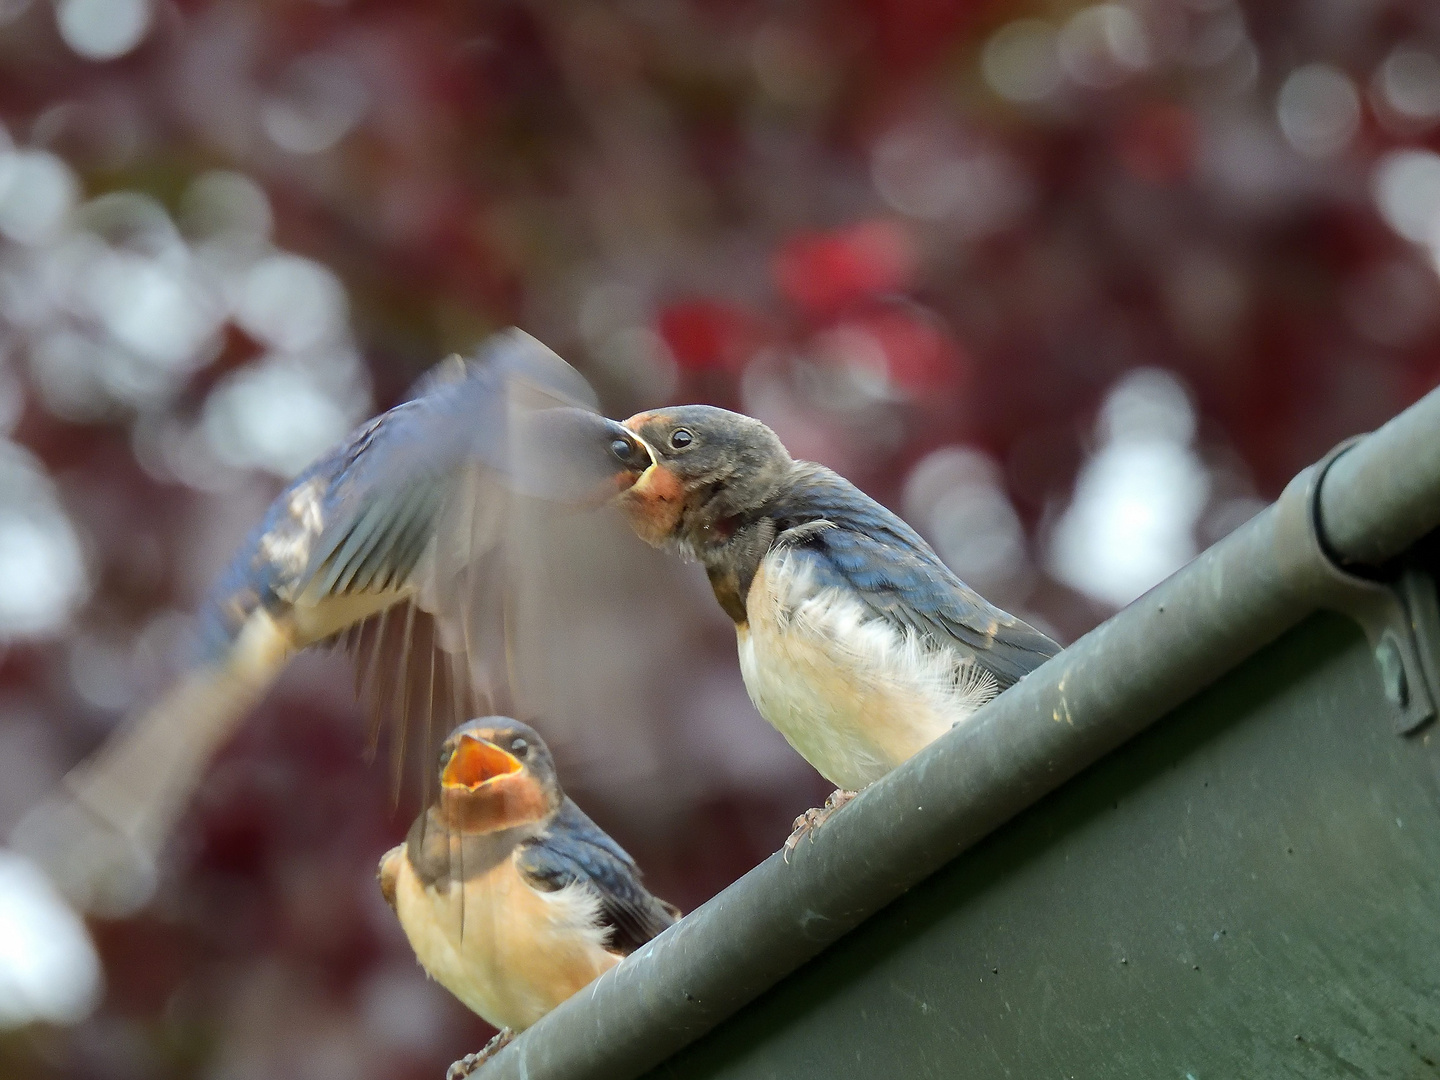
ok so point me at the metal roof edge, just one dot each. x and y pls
(1375, 501)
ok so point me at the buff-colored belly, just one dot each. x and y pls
(519, 952)
(853, 695)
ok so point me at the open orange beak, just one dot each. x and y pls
(476, 762)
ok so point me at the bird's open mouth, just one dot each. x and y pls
(475, 762)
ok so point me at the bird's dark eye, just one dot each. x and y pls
(519, 747)
(681, 438)
(621, 449)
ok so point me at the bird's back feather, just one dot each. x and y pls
(868, 551)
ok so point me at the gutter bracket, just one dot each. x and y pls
(1400, 616)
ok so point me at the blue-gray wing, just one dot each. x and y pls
(871, 553)
(394, 545)
(361, 519)
(439, 462)
(575, 849)
(391, 544)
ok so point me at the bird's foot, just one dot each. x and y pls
(470, 1062)
(806, 824)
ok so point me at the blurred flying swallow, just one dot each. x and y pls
(394, 546)
(510, 896)
(855, 640)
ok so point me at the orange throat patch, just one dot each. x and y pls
(485, 789)
(654, 505)
(503, 803)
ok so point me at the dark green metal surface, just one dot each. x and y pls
(1249, 889)
(823, 966)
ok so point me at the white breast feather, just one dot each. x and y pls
(854, 693)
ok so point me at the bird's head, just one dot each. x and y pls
(496, 773)
(710, 468)
(576, 456)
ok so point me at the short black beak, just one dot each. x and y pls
(628, 451)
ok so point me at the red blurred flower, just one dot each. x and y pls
(912, 35)
(1156, 143)
(708, 335)
(822, 272)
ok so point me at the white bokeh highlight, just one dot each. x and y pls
(37, 192)
(153, 308)
(1102, 46)
(226, 206)
(1408, 82)
(102, 29)
(43, 579)
(931, 176)
(49, 970)
(1407, 190)
(955, 496)
(113, 307)
(291, 302)
(1020, 61)
(1318, 110)
(1406, 187)
(1137, 500)
(319, 100)
(273, 416)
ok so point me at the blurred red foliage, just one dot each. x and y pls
(888, 227)
(708, 335)
(821, 272)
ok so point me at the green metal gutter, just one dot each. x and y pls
(1364, 507)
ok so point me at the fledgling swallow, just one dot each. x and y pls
(390, 544)
(855, 640)
(511, 897)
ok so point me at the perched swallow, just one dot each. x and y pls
(391, 545)
(855, 640)
(510, 896)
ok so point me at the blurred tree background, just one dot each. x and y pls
(1074, 287)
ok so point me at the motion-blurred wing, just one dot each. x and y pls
(100, 835)
(574, 849)
(416, 561)
(395, 546)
